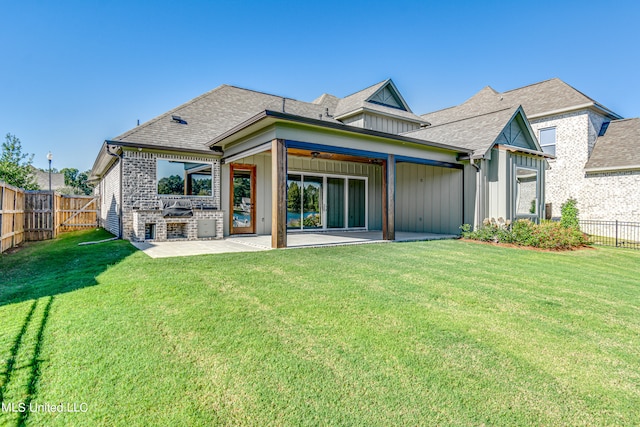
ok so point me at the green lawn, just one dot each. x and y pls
(428, 333)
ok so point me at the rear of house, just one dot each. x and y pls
(235, 161)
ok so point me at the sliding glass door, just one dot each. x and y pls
(320, 202)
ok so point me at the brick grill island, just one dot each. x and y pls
(152, 225)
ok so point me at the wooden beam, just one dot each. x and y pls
(278, 194)
(389, 188)
(385, 210)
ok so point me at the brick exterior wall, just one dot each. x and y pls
(601, 196)
(140, 192)
(611, 196)
(179, 228)
(566, 173)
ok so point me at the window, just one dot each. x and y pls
(178, 178)
(548, 140)
(526, 192)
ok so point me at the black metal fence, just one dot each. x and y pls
(620, 234)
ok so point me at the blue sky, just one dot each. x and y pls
(75, 73)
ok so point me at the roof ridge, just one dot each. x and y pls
(437, 111)
(368, 87)
(263, 93)
(471, 117)
(173, 110)
(533, 84)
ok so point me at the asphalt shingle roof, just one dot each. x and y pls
(477, 133)
(358, 100)
(213, 113)
(618, 148)
(536, 99)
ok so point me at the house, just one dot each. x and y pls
(595, 151)
(236, 161)
(42, 179)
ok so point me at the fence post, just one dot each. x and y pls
(616, 233)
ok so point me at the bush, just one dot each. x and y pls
(569, 212)
(523, 232)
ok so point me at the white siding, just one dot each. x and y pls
(109, 189)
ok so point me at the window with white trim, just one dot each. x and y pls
(548, 140)
(526, 191)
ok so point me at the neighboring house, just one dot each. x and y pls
(237, 161)
(42, 179)
(596, 152)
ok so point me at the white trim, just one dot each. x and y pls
(536, 214)
(250, 152)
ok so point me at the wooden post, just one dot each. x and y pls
(389, 198)
(385, 211)
(278, 194)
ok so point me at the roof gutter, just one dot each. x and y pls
(524, 150)
(629, 168)
(216, 151)
(329, 125)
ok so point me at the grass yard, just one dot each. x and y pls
(427, 333)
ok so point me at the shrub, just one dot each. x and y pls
(523, 232)
(569, 212)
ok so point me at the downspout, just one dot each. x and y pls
(120, 161)
(476, 221)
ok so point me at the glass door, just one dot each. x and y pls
(294, 202)
(243, 196)
(312, 202)
(326, 202)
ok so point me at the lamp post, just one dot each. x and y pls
(49, 157)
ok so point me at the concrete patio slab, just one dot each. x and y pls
(192, 247)
(254, 243)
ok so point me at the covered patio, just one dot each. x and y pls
(253, 243)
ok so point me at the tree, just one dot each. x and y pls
(70, 175)
(78, 182)
(15, 167)
(173, 184)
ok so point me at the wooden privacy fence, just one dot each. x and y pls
(11, 216)
(42, 215)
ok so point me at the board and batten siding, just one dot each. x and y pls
(380, 123)
(309, 165)
(499, 181)
(388, 125)
(515, 134)
(429, 199)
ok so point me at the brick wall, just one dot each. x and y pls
(140, 186)
(611, 196)
(602, 196)
(566, 173)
